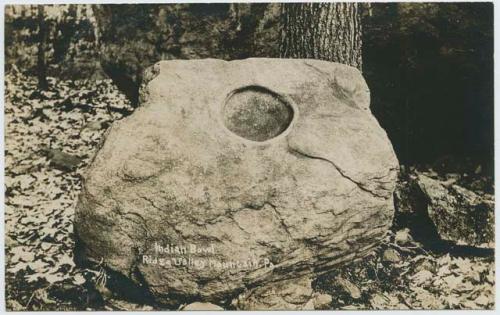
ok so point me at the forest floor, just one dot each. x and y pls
(51, 137)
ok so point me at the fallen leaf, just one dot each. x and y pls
(422, 277)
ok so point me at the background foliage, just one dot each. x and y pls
(71, 44)
(430, 70)
(429, 65)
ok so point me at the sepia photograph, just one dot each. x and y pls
(248, 156)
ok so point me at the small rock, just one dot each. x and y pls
(322, 301)
(391, 255)
(403, 237)
(349, 287)
(200, 306)
(62, 161)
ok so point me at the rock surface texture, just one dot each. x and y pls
(273, 169)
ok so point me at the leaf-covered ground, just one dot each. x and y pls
(52, 135)
(401, 274)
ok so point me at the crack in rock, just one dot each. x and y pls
(340, 171)
(280, 219)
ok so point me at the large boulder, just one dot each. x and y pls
(235, 175)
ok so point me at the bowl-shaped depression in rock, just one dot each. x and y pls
(257, 114)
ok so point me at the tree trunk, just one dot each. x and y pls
(326, 31)
(41, 64)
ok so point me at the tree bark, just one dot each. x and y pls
(41, 64)
(326, 31)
